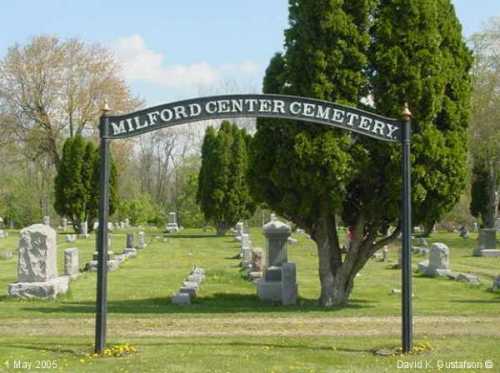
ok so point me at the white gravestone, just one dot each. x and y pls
(71, 263)
(37, 264)
(141, 240)
(46, 220)
(439, 261)
(172, 223)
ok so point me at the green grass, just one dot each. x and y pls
(143, 285)
(251, 354)
(140, 291)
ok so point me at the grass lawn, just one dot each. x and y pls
(227, 329)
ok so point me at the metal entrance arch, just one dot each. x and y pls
(253, 105)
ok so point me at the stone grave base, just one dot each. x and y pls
(47, 289)
(112, 265)
(130, 253)
(487, 252)
(181, 298)
(172, 228)
(269, 290)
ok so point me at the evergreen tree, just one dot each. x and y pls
(482, 189)
(401, 51)
(223, 193)
(77, 182)
(71, 194)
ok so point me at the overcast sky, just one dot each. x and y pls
(178, 49)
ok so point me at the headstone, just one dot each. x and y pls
(195, 278)
(84, 228)
(96, 255)
(468, 278)
(463, 232)
(188, 290)
(141, 241)
(37, 264)
(385, 254)
(172, 223)
(438, 260)
(496, 284)
(113, 265)
(6, 255)
(239, 228)
(127, 222)
(276, 233)
(2, 233)
(71, 262)
(191, 284)
(130, 252)
(64, 224)
(421, 241)
(181, 298)
(487, 243)
(476, 227)
(279, 280)
(257, 264)
(46, 220)
(70, 238)
(37, 260)
(289, 288)
(130, 240)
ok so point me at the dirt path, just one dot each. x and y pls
(168, 326)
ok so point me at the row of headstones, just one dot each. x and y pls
(438, 265)
(189, 287)
(114, 261)
(251, 260)
(486, 245)
(37, 275)
(84, 225)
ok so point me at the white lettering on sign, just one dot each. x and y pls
(279, 106)
(254, 105)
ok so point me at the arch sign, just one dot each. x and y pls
(252, 105)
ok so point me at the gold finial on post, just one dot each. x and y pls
(406, 113)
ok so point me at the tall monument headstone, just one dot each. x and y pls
(37, 265)
(487, 243)
(279, 281)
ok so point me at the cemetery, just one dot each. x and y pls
(151, 306)
(338, 212)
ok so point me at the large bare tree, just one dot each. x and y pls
(55, 88)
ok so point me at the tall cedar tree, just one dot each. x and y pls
(484, 203)
(400, 51)
(76, 184)
(223, 193)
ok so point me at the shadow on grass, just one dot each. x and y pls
(80, 348)
(202, 235)
(476, 301)
(46, 348)
(219, 303)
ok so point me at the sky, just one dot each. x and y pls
(173, 49)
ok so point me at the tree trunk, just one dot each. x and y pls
(336, 273)
(428, 227)
(336, 283)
